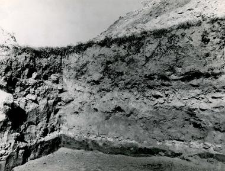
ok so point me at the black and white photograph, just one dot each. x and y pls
(112, 85)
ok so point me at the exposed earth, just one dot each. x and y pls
(79, 160)
(150, 89)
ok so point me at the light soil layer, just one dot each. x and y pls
(78, 160)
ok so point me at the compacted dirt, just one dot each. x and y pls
(78, 160)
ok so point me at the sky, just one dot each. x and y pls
(60, 22)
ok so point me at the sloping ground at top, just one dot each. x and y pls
(158, 14)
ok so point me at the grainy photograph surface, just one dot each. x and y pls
(112, 85)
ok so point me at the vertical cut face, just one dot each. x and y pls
(5, 99)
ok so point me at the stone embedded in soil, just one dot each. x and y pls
(6, 101)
